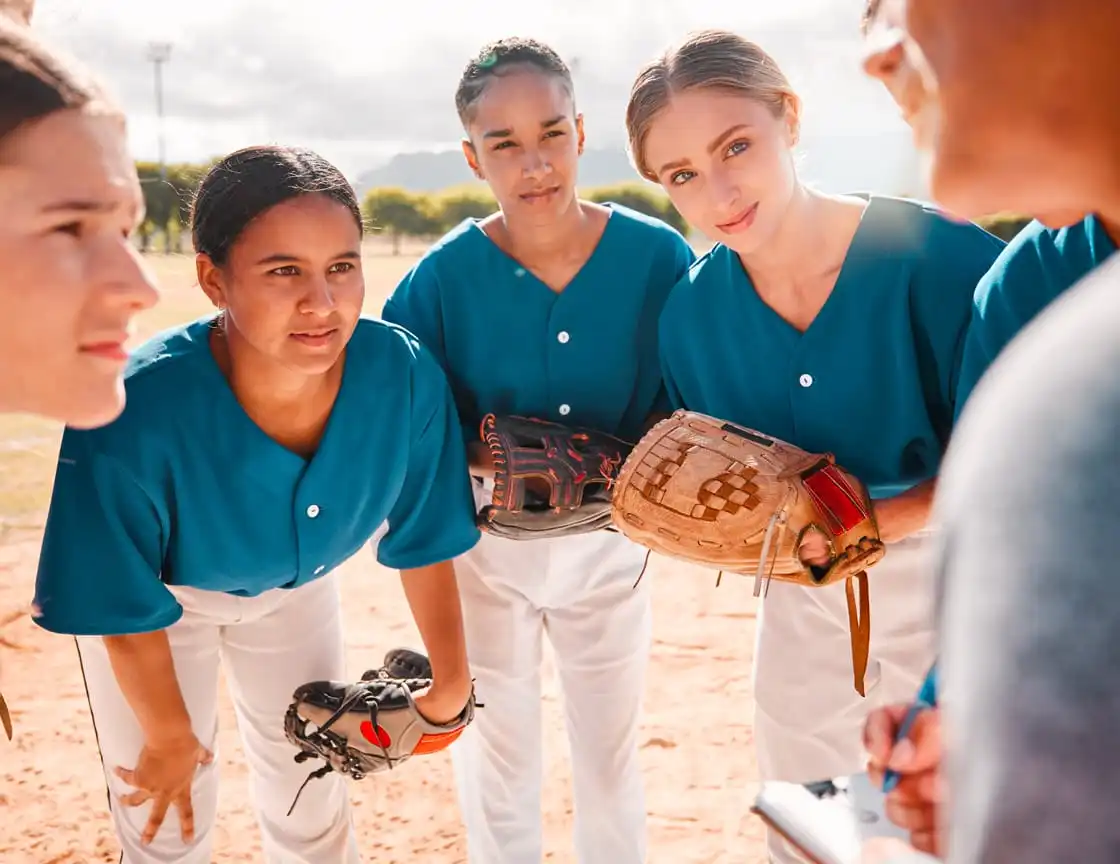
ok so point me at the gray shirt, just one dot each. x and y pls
(1029, 503)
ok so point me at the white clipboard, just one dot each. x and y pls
(829, 822)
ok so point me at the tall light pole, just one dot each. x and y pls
(158, 54)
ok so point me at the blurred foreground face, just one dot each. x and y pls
(1023, 98)
(20, 10)
(70, 280)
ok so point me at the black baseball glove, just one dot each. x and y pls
(550, 480)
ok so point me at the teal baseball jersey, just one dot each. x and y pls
(185, 489)
(584, 356)
(873, 379)
(1038, 265)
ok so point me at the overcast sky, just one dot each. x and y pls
(361, 79)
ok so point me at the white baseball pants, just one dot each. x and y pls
(267, 646)
(808, 722)
(579, 592)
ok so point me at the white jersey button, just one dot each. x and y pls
(806, 380)
(562, 337)
(313, 511)
(565, 409)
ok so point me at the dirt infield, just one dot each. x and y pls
(696, 738)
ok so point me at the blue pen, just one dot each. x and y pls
(927, 698)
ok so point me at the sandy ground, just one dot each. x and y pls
(697, 746)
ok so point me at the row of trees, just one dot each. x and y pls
(396, 214)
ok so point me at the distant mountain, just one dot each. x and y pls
(834, 163)
(432, 171)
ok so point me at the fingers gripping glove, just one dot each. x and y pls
(369, 726)
(550, 480)
(709, 492)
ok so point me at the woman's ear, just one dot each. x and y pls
(793, 119)
(472, 158)
(210, 280)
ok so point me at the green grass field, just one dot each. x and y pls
(29, 445)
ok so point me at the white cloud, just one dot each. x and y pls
(359, 79)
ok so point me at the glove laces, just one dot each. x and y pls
(353, 695)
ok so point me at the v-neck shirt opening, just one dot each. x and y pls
(522, 272)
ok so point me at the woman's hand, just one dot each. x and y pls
(443, 702)
(814, 548)
(163, 775)
(914, 803)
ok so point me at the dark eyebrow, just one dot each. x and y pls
(286, 258)
(82, 206)
(506, 133)
(712, 148)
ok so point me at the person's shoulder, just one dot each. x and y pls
(169, 352)
(457, 252)
(710, 269)
(643, 229)
(1054, 387)
(167, 372)
(376, 338)
(1021, 264)
(462, 240)
(921, 229)
(391, 353)
(1075, 248)
(165, 381)
(1040, 263)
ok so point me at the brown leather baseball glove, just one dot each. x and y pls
(709, 492)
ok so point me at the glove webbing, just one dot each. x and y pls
(859, 616)
(543, 459)
(348, 701)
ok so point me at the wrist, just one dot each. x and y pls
(894, 519)
(169, 734)
(169, 739)
(458, 678)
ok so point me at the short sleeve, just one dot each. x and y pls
(954, 261)
(100, 562)
(1038, 265)
(995, 318)
(433, 519)
(415, 306)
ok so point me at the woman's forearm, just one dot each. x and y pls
(433, 596)
(145, 672)
(906, 513)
